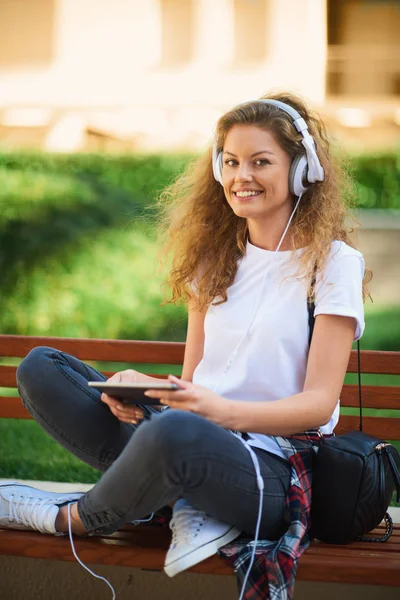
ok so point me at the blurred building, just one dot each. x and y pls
(156, 74)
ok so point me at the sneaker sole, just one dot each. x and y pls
(200, 554)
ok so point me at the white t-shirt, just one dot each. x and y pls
(271, 361)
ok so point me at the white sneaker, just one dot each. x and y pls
(195, 537)
(25, 507)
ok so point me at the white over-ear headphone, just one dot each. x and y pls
(305, 168)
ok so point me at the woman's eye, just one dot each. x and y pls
(259, 162)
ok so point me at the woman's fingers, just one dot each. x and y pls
(130, 412)
(112, 402)
(174, 398)
(123, 412)
(128, 416)
(129, 375)
(114, 378)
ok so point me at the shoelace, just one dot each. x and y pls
(29, 514)
(186, 524)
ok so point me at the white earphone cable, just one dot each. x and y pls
(260, 485)
(137, 521)
(79, 560)
(257, 304)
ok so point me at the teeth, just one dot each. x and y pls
(246, 194)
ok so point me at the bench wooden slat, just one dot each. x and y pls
(8, 376)
(161, 352)
(381, 427)
(392, 545)
(145, 553)
(364, 568)
(94, 349)
(373, 396)
(145, 548)
(373, 361)
(12, 408)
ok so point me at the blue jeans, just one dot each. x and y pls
(146, 466)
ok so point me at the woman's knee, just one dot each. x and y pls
(172, 435)
(33, 372)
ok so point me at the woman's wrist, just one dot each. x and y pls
(231, 417)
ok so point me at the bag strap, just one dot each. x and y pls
(359, 384)
(311, 308)
(389, 530)
(311, 323)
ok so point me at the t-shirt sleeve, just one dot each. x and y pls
(339, 290)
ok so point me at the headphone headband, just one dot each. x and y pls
(305, 169)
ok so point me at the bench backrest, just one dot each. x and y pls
(378, 396)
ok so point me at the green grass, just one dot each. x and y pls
(382, 328)
(110, 288)
(27, 452)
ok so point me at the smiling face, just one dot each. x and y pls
(255, 176)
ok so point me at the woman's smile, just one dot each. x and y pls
(246, 195)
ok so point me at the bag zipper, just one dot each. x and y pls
(381, 447)
(396, 474)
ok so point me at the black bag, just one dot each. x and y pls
(354, 476)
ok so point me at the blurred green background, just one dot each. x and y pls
(78, 248)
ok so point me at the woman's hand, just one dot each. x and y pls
(123, 412)
(196, 399)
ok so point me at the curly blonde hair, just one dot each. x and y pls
(206, 239)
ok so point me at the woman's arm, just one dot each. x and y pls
(194, 349)
(326, 367)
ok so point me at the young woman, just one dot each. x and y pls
(256, 230)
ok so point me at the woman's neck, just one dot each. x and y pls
(269, 238)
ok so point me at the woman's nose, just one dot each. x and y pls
(244, 173)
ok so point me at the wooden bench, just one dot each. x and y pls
(145, 546)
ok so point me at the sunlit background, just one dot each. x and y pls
(119, 75)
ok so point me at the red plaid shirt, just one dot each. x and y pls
(274, 569)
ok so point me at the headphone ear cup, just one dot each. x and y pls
(298, 175)
(217, 163)
(219, 167)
